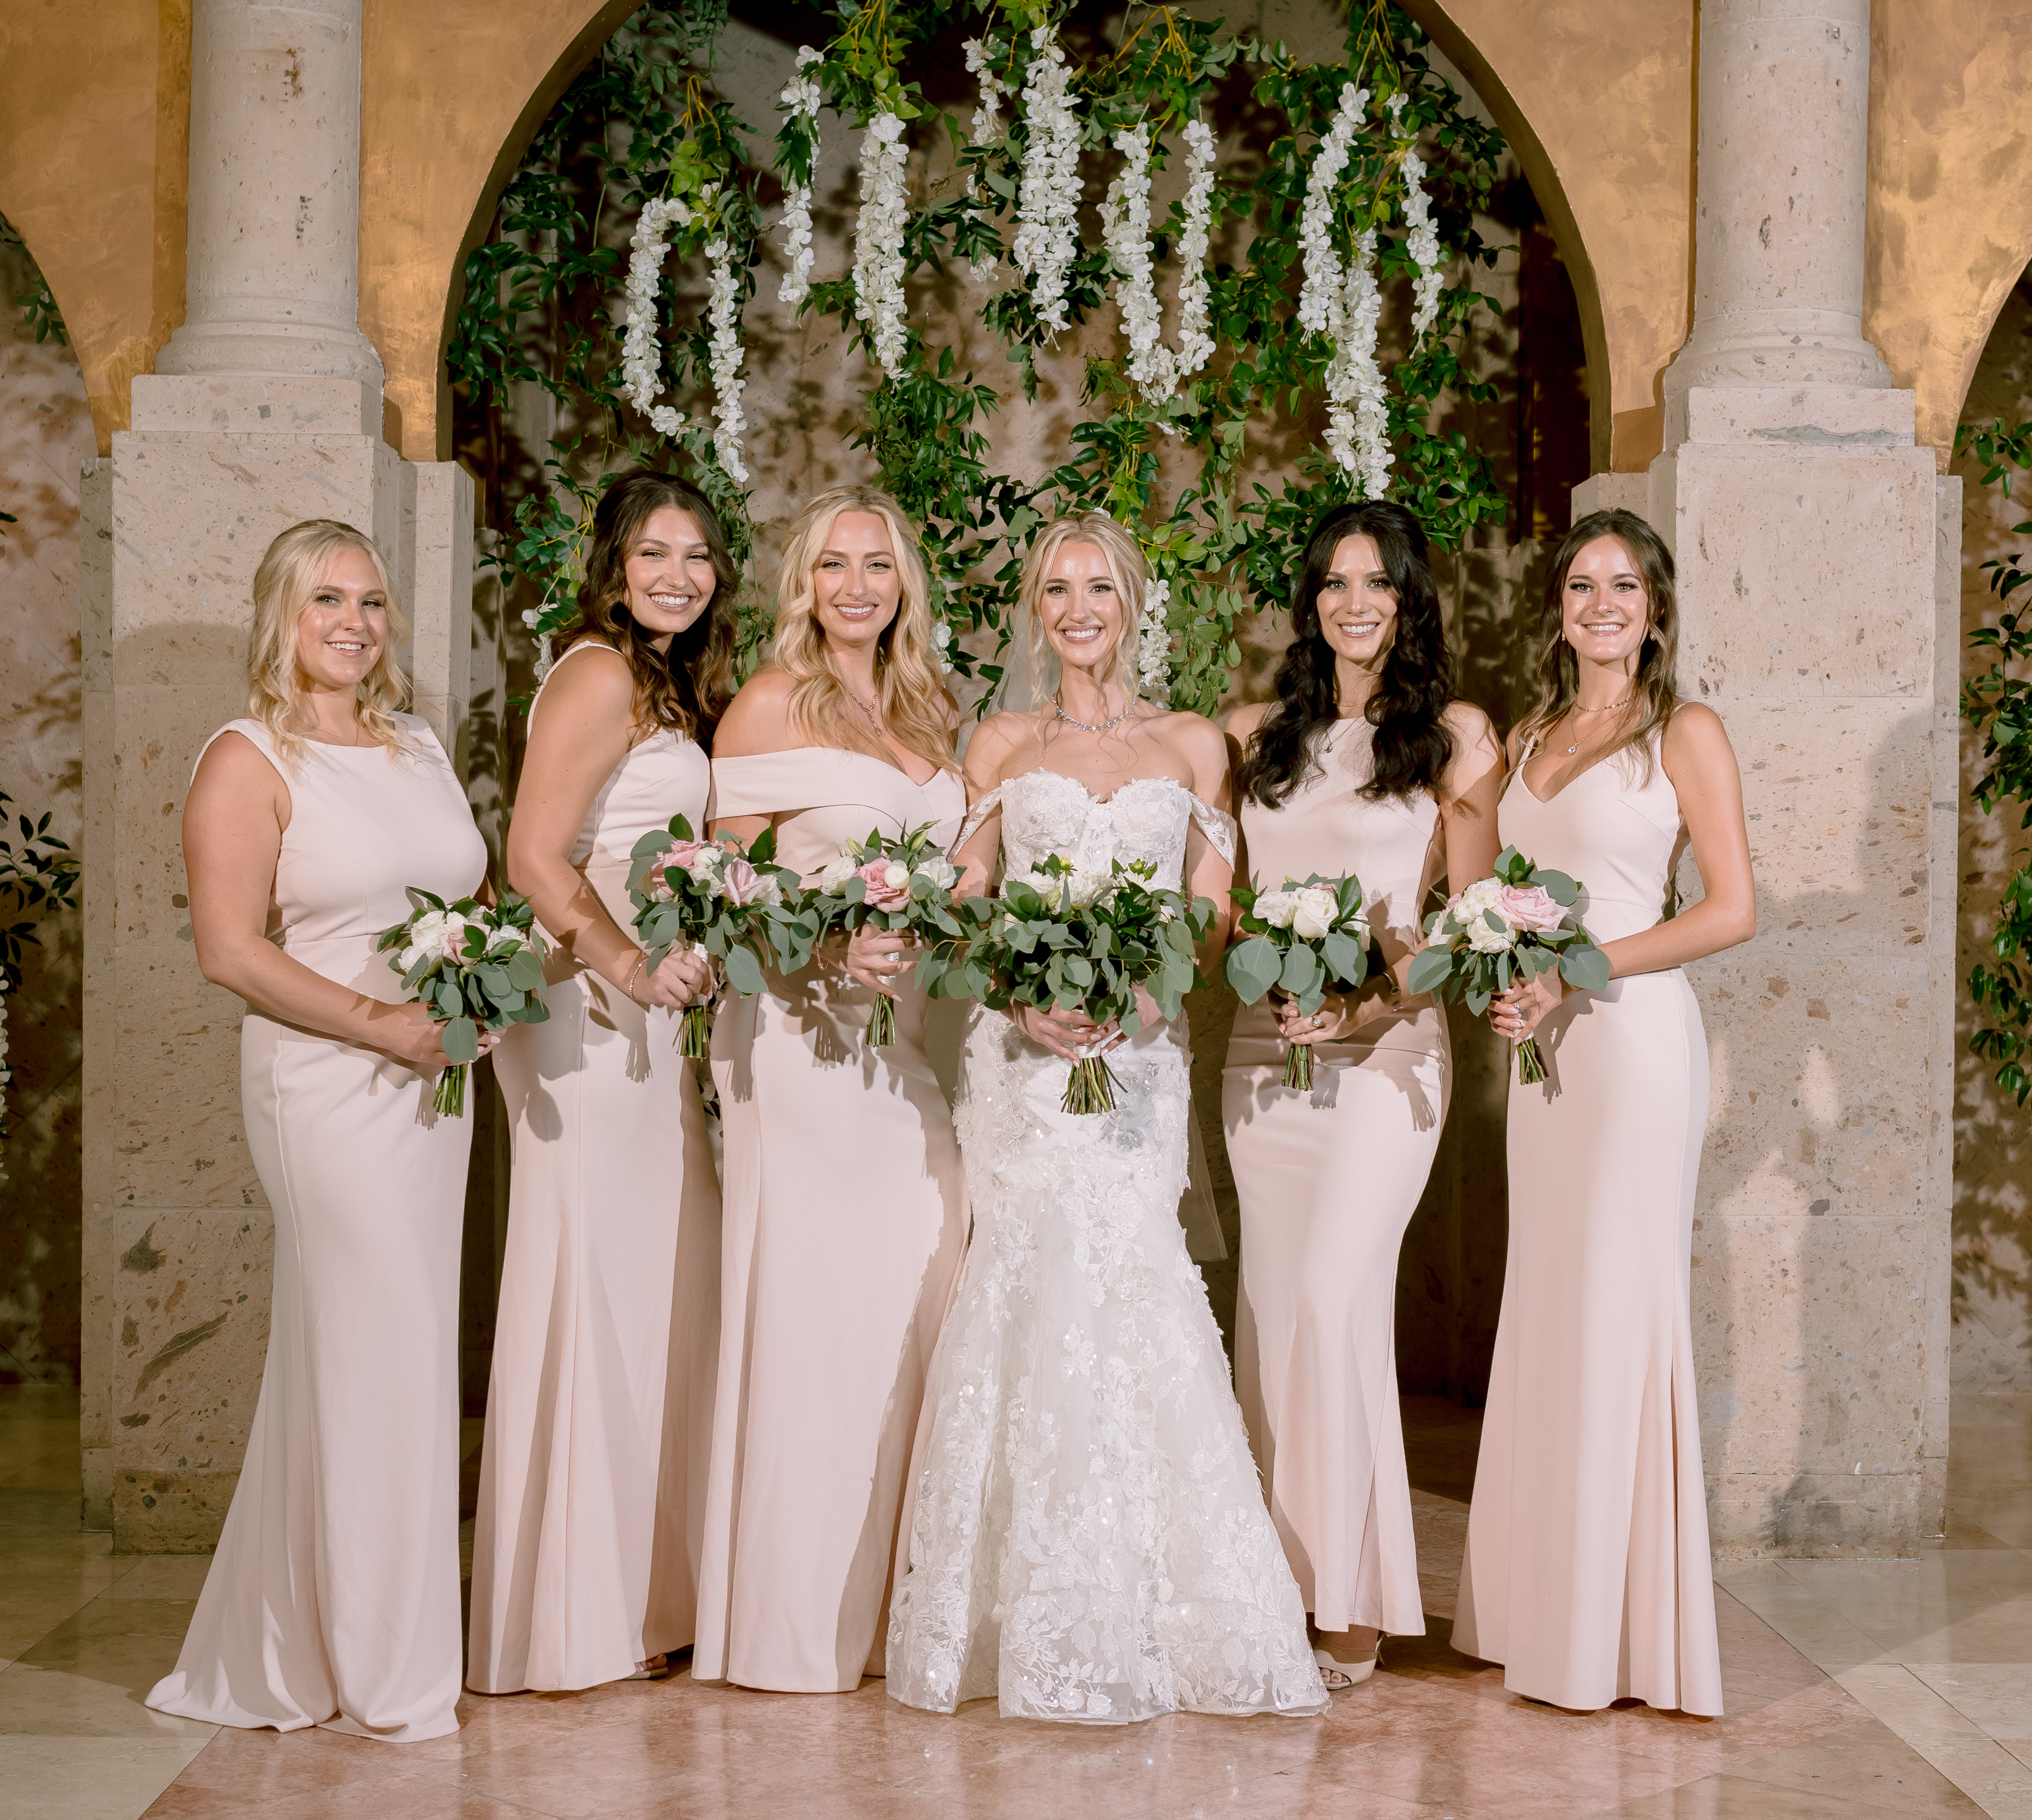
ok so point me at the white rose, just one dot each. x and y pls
(1483, 895)
(939, 870)
(1090, 887)
(897, 875)
(1277, 907)
(1313, 908)
(837, 872)
(409, 957)
(703, 866)
(1485, 940)
(768, 889)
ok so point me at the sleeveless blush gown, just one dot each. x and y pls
(845, 1218)
(1587, 1574)
(333, 1598)
(1088, 1540)
(1327, 1184)
(592, 1505)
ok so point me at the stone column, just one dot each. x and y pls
(1803, 520)
(266, 409)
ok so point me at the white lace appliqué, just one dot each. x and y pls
(1089, 1541)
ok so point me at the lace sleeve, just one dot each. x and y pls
(1215, 824)
(976, 815)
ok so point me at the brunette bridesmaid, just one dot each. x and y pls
(846, 1198)
(1364, 764)
(333, 1599)
(1587, 1573)
(599, 1420)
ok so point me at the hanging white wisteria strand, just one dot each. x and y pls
(641, 347)
(1047, 199)
(878, 241)
(1359, 437)
(1195, 319)
(1319, 289)
(1153, 642)
(724, 314)
(801, 99)
(1421, 237)
(981, 55)
(1154, 369)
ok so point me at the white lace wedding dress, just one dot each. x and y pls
(1089, 1539)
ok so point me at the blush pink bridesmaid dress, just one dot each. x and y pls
(333, 1599)
(1327, 1184)
(1587, 1573)
(586, 1540)
(846, 1219)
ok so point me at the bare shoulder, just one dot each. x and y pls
(596, 683)
(1243, 723)
(1193, 734)
(998, 740)
(1468, 724)
(1696, 731)
(758, 719)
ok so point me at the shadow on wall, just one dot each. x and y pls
(1993, 1320)
(45, 434)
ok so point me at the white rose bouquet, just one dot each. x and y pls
(738, 911)
(1298, 940)
(1086, 940)
(904, 886)
(469, 964)
(1504, 930)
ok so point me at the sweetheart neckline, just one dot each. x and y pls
(1100, 802)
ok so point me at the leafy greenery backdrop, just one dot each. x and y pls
(644, 120)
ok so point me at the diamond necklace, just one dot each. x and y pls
(1087, 727)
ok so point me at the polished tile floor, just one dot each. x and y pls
(1854, 1688)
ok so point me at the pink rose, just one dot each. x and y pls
(888, 883)
(741, 882)
(1530, 907)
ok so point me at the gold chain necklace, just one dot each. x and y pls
(1610, 709)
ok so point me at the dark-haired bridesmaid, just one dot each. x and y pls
(1364, 763)
(593, 1480)
(1587, 1574)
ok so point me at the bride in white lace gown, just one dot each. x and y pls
(1087, 1539)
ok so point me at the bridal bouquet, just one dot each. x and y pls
(469, 964)
(1506, 931)
(1086, 940)
(728, 900)
(904, 886)
(1299, 940)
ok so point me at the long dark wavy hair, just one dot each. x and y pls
(687, 687)
(1654, 690)
(1413, 747)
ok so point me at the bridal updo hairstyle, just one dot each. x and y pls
(1412, 746)
(1654, 690)
(290, 574)
(915, 706)
(686, 688)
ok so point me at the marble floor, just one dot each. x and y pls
(1854, 1689)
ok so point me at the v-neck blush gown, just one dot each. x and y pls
(1328, 1182)
(846, 1219)
(592, 1505)
(1587, 1574)
(333, 1598)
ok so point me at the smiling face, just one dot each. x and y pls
(1605, 608)
(857, 583)
(343, 628)
(1081, 609)
(1357, 603)
(669, 575)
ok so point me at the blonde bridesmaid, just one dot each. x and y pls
(846, 1198)
(1364, 764)
(333, 1599)
(593, 1477)
(1587, 1573)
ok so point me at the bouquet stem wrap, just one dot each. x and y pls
(904, 886)
(1298, 940)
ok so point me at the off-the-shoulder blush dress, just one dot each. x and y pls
(333, 1599)
(1587, 1573)
(592, 1476)
(1327, 1182)
(845, 1218)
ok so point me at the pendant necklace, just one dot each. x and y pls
(1087, 727)
(1610, 709)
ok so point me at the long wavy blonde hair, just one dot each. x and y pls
(291, 572)
(915, 707)
(1124, 557)
(1654, 689)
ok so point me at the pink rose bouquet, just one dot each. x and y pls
(1504, 930)
(737, 908)
(905, 886)
(472, 965)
